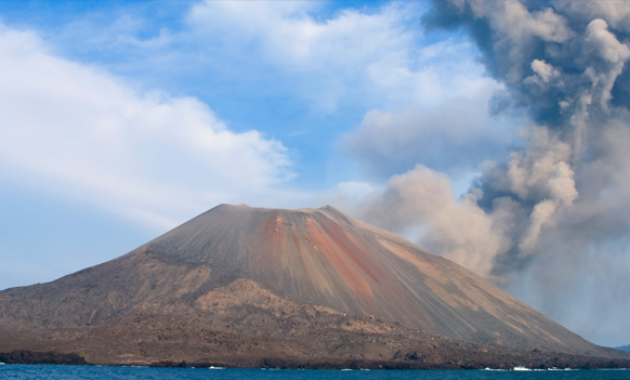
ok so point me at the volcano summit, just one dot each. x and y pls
(241, 286)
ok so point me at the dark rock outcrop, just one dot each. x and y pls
(28, 357)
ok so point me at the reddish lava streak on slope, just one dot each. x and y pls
(354, 250)
(325, 248)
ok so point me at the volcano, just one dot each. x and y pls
(254, 287)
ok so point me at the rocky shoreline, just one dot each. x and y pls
(50, 357)
(543, 361)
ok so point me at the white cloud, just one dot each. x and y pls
(454, 136)
(76, 130)
(287, 33)
(375, 58)
(421, 97)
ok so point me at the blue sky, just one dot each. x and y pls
(123, 119)
(288, 83)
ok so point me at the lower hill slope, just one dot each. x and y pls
(240, 286)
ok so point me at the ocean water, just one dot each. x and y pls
(59, 372)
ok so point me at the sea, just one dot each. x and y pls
(66, 372)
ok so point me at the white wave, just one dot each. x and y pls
(519, 368)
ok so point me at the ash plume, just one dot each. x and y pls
(556, 214)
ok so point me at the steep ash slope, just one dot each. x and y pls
(325, 257)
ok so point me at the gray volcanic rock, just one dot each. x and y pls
(313, 287)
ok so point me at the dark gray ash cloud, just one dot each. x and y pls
(551, 222)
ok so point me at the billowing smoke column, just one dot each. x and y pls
(556, 213)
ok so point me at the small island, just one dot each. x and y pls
(310, 288)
